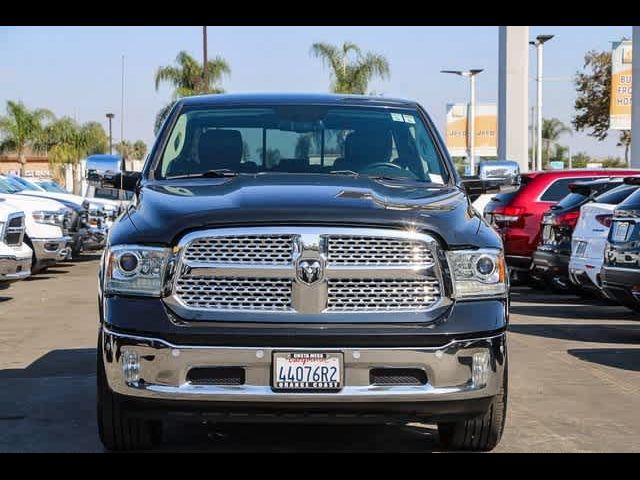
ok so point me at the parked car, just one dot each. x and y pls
(15, 255)
(85, 224)
(517, 216)
(590, 237)
(550, 262)
(621, 269)
(44, 224)
(346, 280)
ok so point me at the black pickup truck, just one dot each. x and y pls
(302, 258)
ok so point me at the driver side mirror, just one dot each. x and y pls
(107, 171)
(494, 176)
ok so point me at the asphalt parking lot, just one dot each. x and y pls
(574, 379)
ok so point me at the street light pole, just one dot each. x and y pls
(538, 43)
(110, 117)
(205, 70)
(471, 121)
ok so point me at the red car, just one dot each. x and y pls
(518, 215)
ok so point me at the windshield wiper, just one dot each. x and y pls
(344, 172)
(218, 173)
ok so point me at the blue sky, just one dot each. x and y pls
(75, 71)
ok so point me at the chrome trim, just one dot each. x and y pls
(164, 367)
(9, 265)
(8, 229)
(309, 244)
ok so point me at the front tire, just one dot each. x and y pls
(117, 429)
(480, 433)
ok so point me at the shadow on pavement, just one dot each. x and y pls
(625, 358)
(580, 311)
(5, 299)
(80, 361)
(298, 438)
(85, 257)
(582, 333)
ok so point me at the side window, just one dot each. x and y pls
(560, 189)
(175, 143)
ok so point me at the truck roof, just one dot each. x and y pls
(294, 98)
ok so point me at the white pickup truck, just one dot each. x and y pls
(15, 255)
(44, 222)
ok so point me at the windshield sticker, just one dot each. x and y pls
(409, 118)
(397, 117)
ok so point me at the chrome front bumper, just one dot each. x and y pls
(13, 268)
(49, 251)
(163, 371)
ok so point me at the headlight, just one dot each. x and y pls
(477, 273)
(136, 270)
(49, 217)
(1, 231)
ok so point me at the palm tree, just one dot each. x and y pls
(351, 75)
(21, 129)
(187, 79)
(552, 129)
(625, 141)
(69, 142)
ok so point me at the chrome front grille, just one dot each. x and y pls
(305, 270)
(253, 249)
(14, 230)
(363, 250)
(381, 294)
(235, 293)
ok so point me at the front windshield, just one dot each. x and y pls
(26, 184)
(51, 186)
(374, 141)
(8, 187)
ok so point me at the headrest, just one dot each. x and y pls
(365, 147)
(220, 149)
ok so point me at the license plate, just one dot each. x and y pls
(307, 371)
(581, 248)
(620, 230)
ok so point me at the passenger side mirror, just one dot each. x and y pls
(107, 171)
(494, 176)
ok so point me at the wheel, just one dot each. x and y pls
(119, 431)
(480, 433)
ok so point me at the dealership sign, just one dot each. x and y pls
(620, 106)
(486, 127)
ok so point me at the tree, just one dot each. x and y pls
(97, 140)
(351, 75)
(140, 149)
(187, 79)
(593, 89)
(625, 141)
(552, 129)
(21, 129)
(68, 143)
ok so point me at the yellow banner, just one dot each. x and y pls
(486, 130)
(620, 105)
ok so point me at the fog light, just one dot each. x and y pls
(130, 366)
(480, 370)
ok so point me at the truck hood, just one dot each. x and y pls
(166, 210)
(65, 197)
(30, 204)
